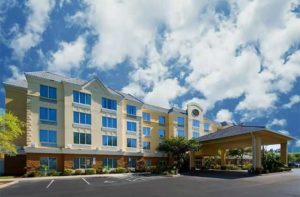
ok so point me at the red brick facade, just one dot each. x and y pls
(18, 165)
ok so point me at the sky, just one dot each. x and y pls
(239, 59)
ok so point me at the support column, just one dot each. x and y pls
(284, 153)
(223, 158)
(192, 160)
(256, 152)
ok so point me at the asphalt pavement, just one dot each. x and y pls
(201, 184)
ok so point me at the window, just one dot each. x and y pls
(109, 140)
(161, 120)
(131, 162)
(180, 121)
(109, 103)
(161, 133)
(131, 126)
(180, 133)
(81, 118)
(48, 92)
(50, 162)
(131, 142)
(83, 98)
(206, 127)
(47, 114)
(82, 138)
(146, 131)
(196, 134)
(146, 116)
(109, 122)
(82, 163)
(131, 110)
(146, 145)
(109, 163)
(48, 137)
(196, 123)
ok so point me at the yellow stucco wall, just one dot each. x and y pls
(27, 104)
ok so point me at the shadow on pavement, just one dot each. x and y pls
(220, 174)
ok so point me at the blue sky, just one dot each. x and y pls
(239, 59)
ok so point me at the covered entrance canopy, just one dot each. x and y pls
(240, 136)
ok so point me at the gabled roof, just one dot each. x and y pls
(59, 78)
(236, 130)
(156, 108)
(175, 109)
(17, 83)
(129, 97)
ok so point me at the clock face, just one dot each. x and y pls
(195, 112)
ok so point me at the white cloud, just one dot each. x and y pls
(297, 143)
(277, 122)
(164, 92)
(273, 147)
(16, 73)
(68, 56)
(224, 115)
(134, 89)
(293, 100)
(35, 26)
(220, 57)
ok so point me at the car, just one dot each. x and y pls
(294, 164)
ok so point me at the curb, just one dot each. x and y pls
(74, 177)
(8, 184)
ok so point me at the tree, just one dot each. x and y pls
(177, 148)
(10, 129)
(239, 153)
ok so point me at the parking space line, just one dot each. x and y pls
(108, 181)
(85, 181)
(49, 184)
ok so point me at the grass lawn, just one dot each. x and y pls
(7, 177)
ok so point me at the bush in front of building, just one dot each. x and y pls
(90, 171)
(99, 171)
(121, 170)
(54, 173)
(79, 171)
(232, 167)
(271, 163)
(32, 173)
(150, 169)
(107, 170)
(247, 166)
(68, 172)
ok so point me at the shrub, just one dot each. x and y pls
(151, 169)
(53, 173)
(271, 162)
(99, 171)
(68, 172)
(247, 166)
(232, 167)
(90, 171)
(121, 170)
(105, 170)
(79, 171)
(32, 173)
(210, 162)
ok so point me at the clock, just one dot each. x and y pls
(195, 112)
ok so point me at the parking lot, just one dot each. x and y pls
(202, 184)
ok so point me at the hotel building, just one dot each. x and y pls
(73, 123)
